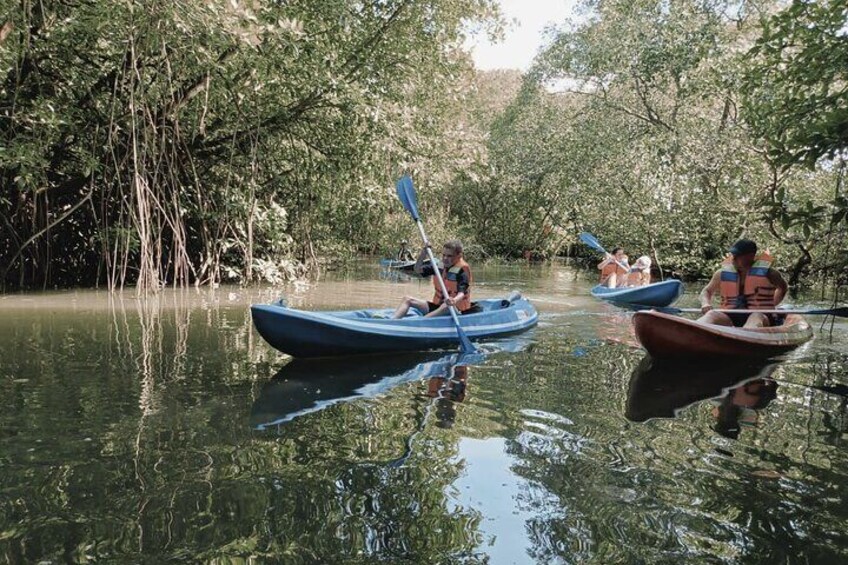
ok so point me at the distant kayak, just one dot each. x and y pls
(667, 336)
(325, 334)
(656, 294)
(405, 266)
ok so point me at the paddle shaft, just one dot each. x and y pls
(438, 274)
(834, 312)
(597, 245)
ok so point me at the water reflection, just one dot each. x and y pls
(660, 390)
(304, 386)
(394, 275)
(448, 390)
(124, 437)
(740, 406)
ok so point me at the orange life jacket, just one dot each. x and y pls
(610, 268)
(450, 276)
(758, 293)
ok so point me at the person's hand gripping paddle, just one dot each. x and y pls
(406, 193)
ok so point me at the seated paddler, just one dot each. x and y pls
(457, 276)
(614, 268)
(745, 281)
(404, 254)
(640, 272)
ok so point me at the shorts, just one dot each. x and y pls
(473, 310)
(740, 319)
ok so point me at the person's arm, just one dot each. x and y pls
(461, 288)
(419, 263)
(779, 283)
(607, 260)
(706, 296)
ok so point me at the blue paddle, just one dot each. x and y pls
(406, 193)
(590, 240)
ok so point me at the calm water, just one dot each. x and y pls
(163, 430)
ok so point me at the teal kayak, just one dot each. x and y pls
(652, 295)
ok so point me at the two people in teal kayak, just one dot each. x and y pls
(616, 271)
(745, 281)
(457, 276)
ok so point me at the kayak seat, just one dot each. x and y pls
(510, 300)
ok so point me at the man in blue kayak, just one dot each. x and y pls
(745, 281)
(457, 276)
(404, 254)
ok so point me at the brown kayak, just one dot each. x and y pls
(664, 335)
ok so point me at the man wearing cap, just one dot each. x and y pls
(404, 254)
(745, 281)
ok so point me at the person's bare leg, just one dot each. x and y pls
(441, 310)
(717, 318)
(757, 321)
(409, 302)
(611, 281)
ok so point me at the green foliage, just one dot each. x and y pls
(158, 142)
(180, 142)
(628, 126)
(795, 87)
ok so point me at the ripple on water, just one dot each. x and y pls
(129, 434)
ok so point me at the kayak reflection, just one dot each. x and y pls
(304, 386)
(394, 275)
(661, 390)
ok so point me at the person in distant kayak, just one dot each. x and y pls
(457, 276)
(404, 254)
(745, 281)
(640, 272)
(614, 268)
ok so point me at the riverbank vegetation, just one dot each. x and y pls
(186, 143)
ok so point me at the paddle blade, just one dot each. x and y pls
(590, 240)
(841, 312)
(406, 193)
(465, 344)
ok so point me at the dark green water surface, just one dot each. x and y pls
(166, 430)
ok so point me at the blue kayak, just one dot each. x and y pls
(406, 266)
(352, 332)
(656, 294)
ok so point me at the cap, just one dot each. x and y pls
(644, 261)
(743, 247)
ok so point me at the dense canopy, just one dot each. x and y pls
(173, 143)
